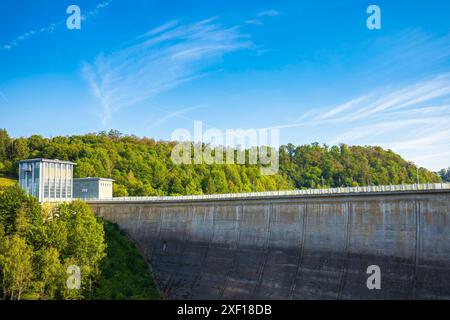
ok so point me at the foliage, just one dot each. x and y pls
(16, 266)
(39, 242)
(314, 166)
(124, 273)
(143, 167)
(37, 246)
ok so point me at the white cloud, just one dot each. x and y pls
(175, 114)
(254, 22)
(29, 34)
(97, 9)
(163, 58)
(400, 99)
(377, 129)
(3, 97)
(268, 13)
(341, 108)
(413, 120)
(161, 28)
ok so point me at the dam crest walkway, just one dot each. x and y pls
(403, 188)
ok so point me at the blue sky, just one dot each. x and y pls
(310, 68)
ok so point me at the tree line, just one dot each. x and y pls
(143, 166)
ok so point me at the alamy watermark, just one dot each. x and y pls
(73, 22)
(73, 282)
(232, 146)
(374, 20)
(374, 280)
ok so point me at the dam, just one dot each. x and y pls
(303, 244)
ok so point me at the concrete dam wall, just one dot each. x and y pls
(293, 247)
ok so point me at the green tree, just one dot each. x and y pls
(86, 244)
(5, 142)
(14, 201)
(119, 190)
(16, 267)
(19, 149)
(50, 274)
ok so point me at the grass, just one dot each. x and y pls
(125, 274)
(6, 181)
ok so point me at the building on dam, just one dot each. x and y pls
(93, 188)
(52, 181)
(47, 180)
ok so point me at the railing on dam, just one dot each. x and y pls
(306, 192)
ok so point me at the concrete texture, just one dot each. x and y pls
(294, 247)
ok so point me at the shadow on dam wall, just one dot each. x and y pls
(314, 247)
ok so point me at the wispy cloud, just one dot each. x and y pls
(268, 13)
(3, 97)
(401, 99)
(413, 120)
(261, 15)
(99, 7)
(51, 27)
(342, 108)
(411, 49)
(14, 43)
(168, 25)
(161, 59)
(254, 22)
(171, 115)
(384, 101)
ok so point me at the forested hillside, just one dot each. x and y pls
(142, 166)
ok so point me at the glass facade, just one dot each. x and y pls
(30, 178)
(47, 180)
